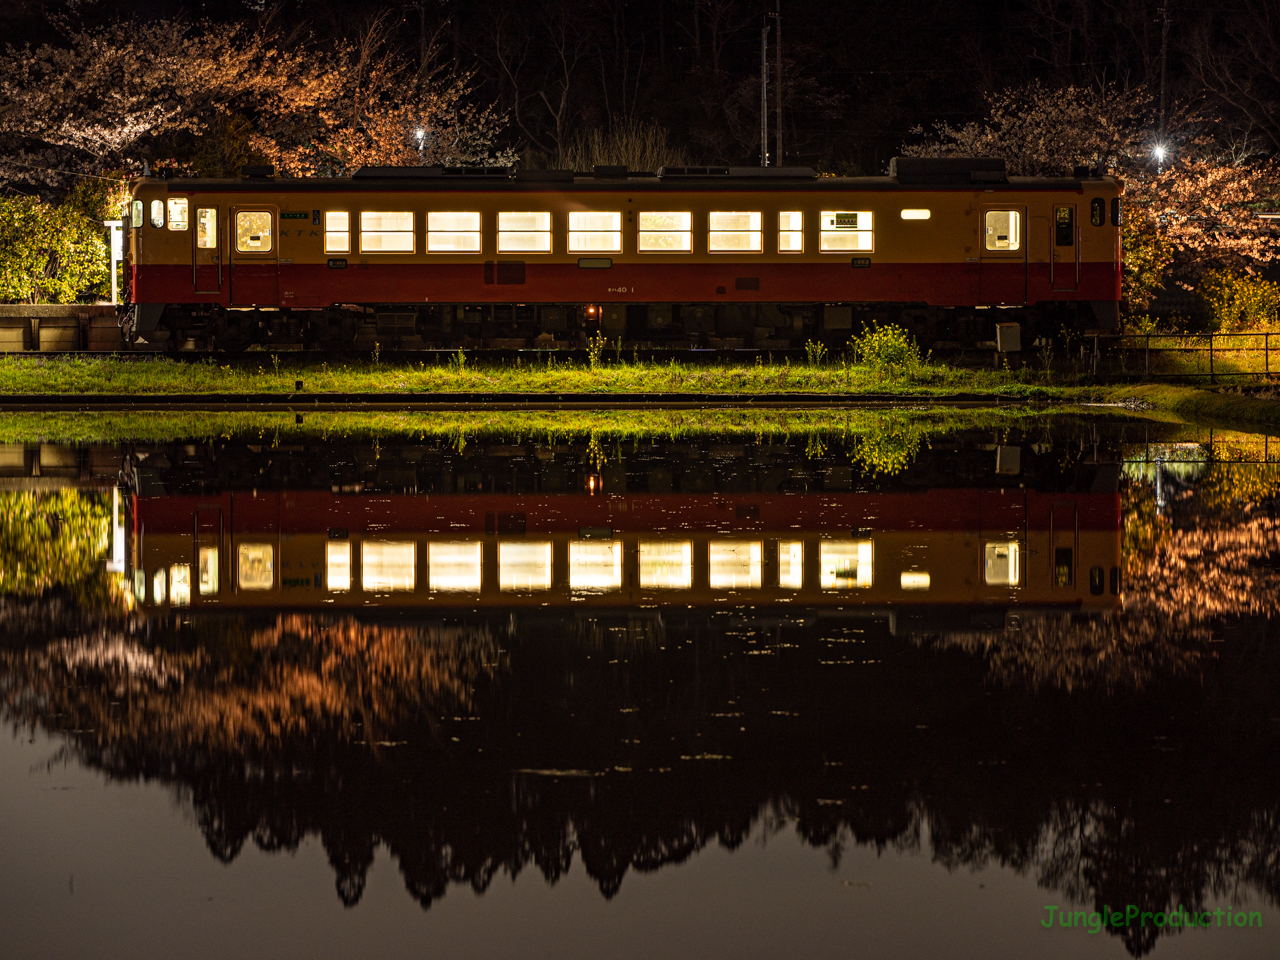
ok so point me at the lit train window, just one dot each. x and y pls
(791, 232)
(177, 213)
(455, 566)
(524, 232)
(387, 566)
(386, 232)
(453, 232)
(524, 566)
(914, 580)
(253, 231)
(734, 233)
(256, 566)
(157, 213)
(207, 228)
(1002, 564)
(734, 565)
(595, 231)
(790, 564)
(135, 214)
(1004, 230)
(207, 571)
(843, 230)
(337, 231)
(157, 586)
(180, 584)
(916, 214)
(665, 232)
(337, 566)
(595, 565)
(846, 564)
(666, 564)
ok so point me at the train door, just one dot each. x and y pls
(1066, 259)
(1002, 523)
(1064, 544)
(1002, 275)
(206, 254)
(255, 257)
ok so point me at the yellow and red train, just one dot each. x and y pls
(690, 256)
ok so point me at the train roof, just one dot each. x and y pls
(905, 174)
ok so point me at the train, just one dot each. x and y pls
(687, 257)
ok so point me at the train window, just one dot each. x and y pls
(914, 580)
(845, 564)
(157, 213)
(450, 231)
(1097, 211)
(665, 232)
(1002, 564)
(256, 566)
(843, 230)
(734, 566)
(135, 214)
(791, 564)
(337, 231)
(524, 565)
(1115, 211)
(791, 232)
(1064, 226)
(337, 566)
(253, 231)
(1115, 581)
(524, 232)
(1097, 581)
(387, 566)
(207, 571)
(595, 565)
(207, 228)
(157, 586)
(1004, 230)
(734, 233)
(916, 214)
(595, 231)
(666, 565)
(177, 213)
(180, 584)
(1064, 568)
(386, 232)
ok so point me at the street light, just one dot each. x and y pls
(421, 136)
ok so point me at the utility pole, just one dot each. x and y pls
(777, 82)
(1164, 55)
(764, 95)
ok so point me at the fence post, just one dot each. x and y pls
(1212, 378)
(1146, 366)
(1266, 353)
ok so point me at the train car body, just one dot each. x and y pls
(764, 258)
(989, 548)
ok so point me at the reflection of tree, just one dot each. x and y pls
(50, 540)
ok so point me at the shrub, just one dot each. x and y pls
(886, 348)
(1237, 301)
(49, 253)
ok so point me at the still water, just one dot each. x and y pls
(720, 695)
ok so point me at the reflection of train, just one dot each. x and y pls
(1011, 547)
(745, 257)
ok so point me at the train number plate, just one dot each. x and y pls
(337, 263)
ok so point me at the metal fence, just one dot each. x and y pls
(1211, 355)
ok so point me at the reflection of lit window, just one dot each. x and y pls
(157, 587)
(845, 564)
(595, 565)
(595, 231)
(524, 566)
(845, 230)
(914, 580)
(386, 566)
(386, 232)
(524, 232)
(666, 564)
(790, 564)
(790, 232)
(734, 232)
(455, 566)
(734, 565)
(337, 566)
(177, 213)
(1002, 230)
(453, 231)
(1002, 564)
(255, 566)
(208, 571)
(665, 232)
(337, 231)
(180, 584)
